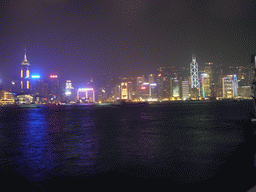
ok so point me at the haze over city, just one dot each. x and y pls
(82, 39)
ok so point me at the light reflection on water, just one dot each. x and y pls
(86, 140)
(33, 137)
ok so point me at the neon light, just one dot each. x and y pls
(35, 76)
(145, 83)
(27, 84)
(53, 76)
(85, 89)
(21, 83)
(21, 73)
(143, 88)
(153, 84)
(203, 85)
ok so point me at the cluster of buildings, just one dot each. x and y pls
(195, 82)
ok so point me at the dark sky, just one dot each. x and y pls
(82, 39)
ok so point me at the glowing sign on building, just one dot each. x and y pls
(85, 89)
(86, 93)
(35, 76)
(143, 88)
(53, 76)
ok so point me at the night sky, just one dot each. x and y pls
(81, 39)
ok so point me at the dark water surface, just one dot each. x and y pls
(181, 142)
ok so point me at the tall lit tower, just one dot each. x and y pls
(25, 75)
(194, 74)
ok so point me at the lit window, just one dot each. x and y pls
(27, 73)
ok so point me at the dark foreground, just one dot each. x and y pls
(238, 173)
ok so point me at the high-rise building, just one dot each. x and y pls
(244, 91)
(194, 74)
(124, 91)
(208, 69)
(208, 79)
(175, 88)
(105, 88)
(69, 91)
(25, 76)
(206, 85)
(185, 89)
(117, 92)
(218, 75)
(54, 88)
(145, 91)
(230, 86)
(153, 91)
(151, 78)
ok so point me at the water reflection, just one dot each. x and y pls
(35, 153)
(75, 140)
(57, 141)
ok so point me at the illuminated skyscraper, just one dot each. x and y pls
(124, 91)
(194, 74)
(208, 69)
(69, 90)
(230, 86)
(207, 80)
(175, 88)
(54, 94)
(206, 85)
(185, 89)
(25, 75)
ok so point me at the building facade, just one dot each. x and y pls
(230, 86)
(185, 90)
(25, 76)
(6, 97)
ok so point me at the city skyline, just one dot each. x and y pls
(81, 40)
(184, 72)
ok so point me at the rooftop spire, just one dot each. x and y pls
(25, 57)
(193, 57)
(25, 61)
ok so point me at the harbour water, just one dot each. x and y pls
(185, 142)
